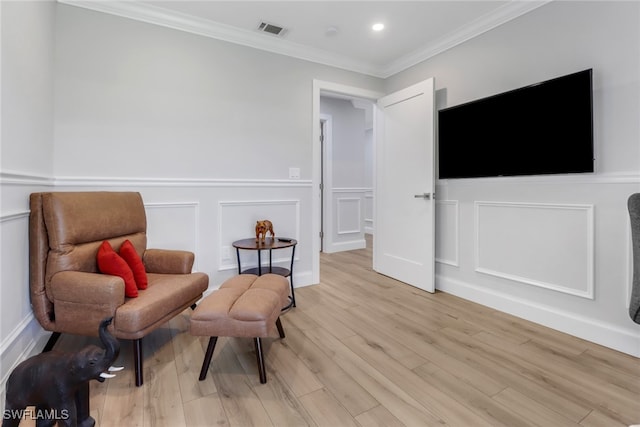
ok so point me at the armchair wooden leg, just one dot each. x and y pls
(280, 329)
(260, 357)
(207, 358)
(51, 342)
(137, 360)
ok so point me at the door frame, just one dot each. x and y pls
(326, 201)
(318, 87)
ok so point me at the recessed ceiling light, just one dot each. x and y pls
(379, 26)
(331, 31)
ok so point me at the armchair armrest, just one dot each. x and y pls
(87, 288)
(164, 261)
(81, 300)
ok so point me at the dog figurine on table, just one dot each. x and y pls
(262, 227)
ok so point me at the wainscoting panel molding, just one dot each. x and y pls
(368, 212)
(14, 269)
(19, 331)
(447, 232)
(349, 215)
(237, 220)
(174, 225)
(344, 223)
(524, 242)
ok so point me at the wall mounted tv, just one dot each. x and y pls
(545, 128)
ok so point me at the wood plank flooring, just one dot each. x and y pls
(364, 350)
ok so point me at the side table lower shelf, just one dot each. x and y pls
(269, 245)
(265, 270)
(285, 272)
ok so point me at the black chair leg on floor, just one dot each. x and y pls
(137, 360)
(260, 357)
(280, 330)
(51, 342)
(207, 357)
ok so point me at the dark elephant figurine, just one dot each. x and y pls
(51, 382)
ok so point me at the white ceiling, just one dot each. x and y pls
(414, 30)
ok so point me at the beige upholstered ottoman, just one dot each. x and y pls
(245, 306)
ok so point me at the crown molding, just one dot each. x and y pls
(170, 19)
(494, 19)
(178, 21)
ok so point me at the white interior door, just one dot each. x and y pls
(404, 216)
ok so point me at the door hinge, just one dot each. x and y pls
(321, 234)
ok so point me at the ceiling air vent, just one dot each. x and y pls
(271, 29)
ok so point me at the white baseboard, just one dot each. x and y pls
(345, 246)
(626, 341)
(28, 340)
(302, 279)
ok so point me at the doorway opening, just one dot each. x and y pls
(325, 207)
(346, 206)
(404, 181)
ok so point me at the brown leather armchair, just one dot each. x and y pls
(69, 295)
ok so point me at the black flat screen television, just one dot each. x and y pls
(545, 128)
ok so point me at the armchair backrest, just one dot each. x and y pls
(66, 230)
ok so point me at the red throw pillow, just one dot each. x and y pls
(109, 262)
(128, 253)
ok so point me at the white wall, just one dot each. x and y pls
(26, 146)
(189, 119)
(138, 100)
(347, 167)
(205, 130)
(551, 249)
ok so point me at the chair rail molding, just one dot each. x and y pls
(176, 182)
(573, 179)
(25, 178)
(13, 216)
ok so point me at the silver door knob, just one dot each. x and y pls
(423, 196)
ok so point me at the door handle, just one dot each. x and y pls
(426, 196)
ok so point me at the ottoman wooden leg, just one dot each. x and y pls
(207, 357)
(260, 357)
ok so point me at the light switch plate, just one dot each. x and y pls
(294, 173)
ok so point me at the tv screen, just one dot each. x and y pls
(545, 128)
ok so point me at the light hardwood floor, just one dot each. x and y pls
(362, 349)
